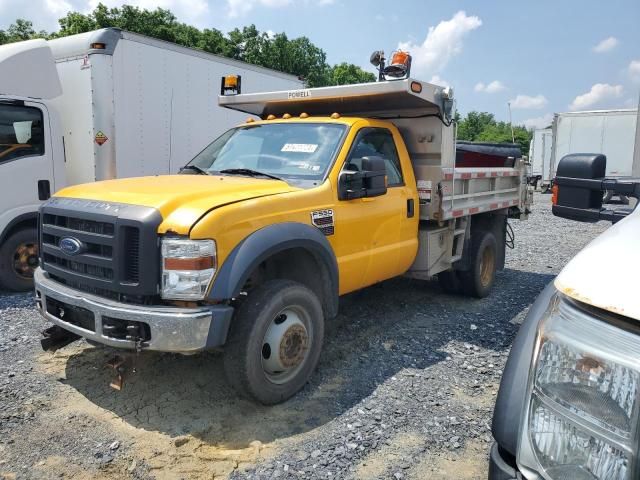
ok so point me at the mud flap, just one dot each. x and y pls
(56, 337)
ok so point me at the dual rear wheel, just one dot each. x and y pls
(479, 279)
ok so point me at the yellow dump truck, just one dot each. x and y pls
(321, 192)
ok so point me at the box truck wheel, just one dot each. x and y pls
(19, 259)
(275, 341)
(450, 281)
(479, 279)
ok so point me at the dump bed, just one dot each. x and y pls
(423, 113)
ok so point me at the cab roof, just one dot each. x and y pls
(388, 99)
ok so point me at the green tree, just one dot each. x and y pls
(483, 127)
(297, 56)
(474, 124)
(19, 31)
(347, 73)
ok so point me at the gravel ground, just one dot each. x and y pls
(405, 389)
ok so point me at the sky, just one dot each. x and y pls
(540, 56)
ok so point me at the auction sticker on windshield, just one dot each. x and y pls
(299, 147)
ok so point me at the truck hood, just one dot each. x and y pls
(181, 199)
(604, 274)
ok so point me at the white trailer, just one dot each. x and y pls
(610, 132)
(101, 105)
(540, 157)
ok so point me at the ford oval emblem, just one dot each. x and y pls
(70, 246)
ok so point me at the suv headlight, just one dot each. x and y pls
(187, 268)
(581, 421)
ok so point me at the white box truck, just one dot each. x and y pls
(540, 158)
(610, 132)
(101, 105)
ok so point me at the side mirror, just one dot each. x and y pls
(578, 187)
(371, 181)
(573, 198)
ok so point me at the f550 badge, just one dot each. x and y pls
(323, 219)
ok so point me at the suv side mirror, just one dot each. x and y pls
(578, 187)
(371, 181)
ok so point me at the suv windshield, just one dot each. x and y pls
(297, 153)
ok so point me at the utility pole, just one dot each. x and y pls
(513, 138)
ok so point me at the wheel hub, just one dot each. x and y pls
(25, 260)
(487, 262)
(293, 346)
(285, 346)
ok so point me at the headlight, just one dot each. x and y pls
(582, 418)
(187, 268)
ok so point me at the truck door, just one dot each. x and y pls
(378, 234)
(26, 178)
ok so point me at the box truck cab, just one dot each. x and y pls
(569, 400)
(332, 190)
(100, 105)
(31, 153)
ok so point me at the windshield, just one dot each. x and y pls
(296, 153)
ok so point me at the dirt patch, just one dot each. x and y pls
(376, 465)
(176, 413)
(465, 464)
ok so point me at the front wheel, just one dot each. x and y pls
(275, 341)
(478, 281)
(19, 259)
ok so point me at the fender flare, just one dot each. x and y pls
(268, 241)
(17, 220)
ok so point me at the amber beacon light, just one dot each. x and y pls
(230, 85)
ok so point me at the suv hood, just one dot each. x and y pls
(181, 199)
(604, 273)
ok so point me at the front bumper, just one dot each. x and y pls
(172, 329)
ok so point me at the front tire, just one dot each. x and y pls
(18, 260)
(275, 341)
(478, 281)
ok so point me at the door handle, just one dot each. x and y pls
(44, 189)
(410, 208)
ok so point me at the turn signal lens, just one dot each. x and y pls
(200, 263)
(554, 195)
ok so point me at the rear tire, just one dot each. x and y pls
(275, 341)
(18, 260)
(478, 281)
(450, 281)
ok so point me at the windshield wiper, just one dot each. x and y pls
(195, 168)
(248, 171)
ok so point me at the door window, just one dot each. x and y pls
(21, 132)
(376, 142)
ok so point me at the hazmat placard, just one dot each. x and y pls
(101, 138)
